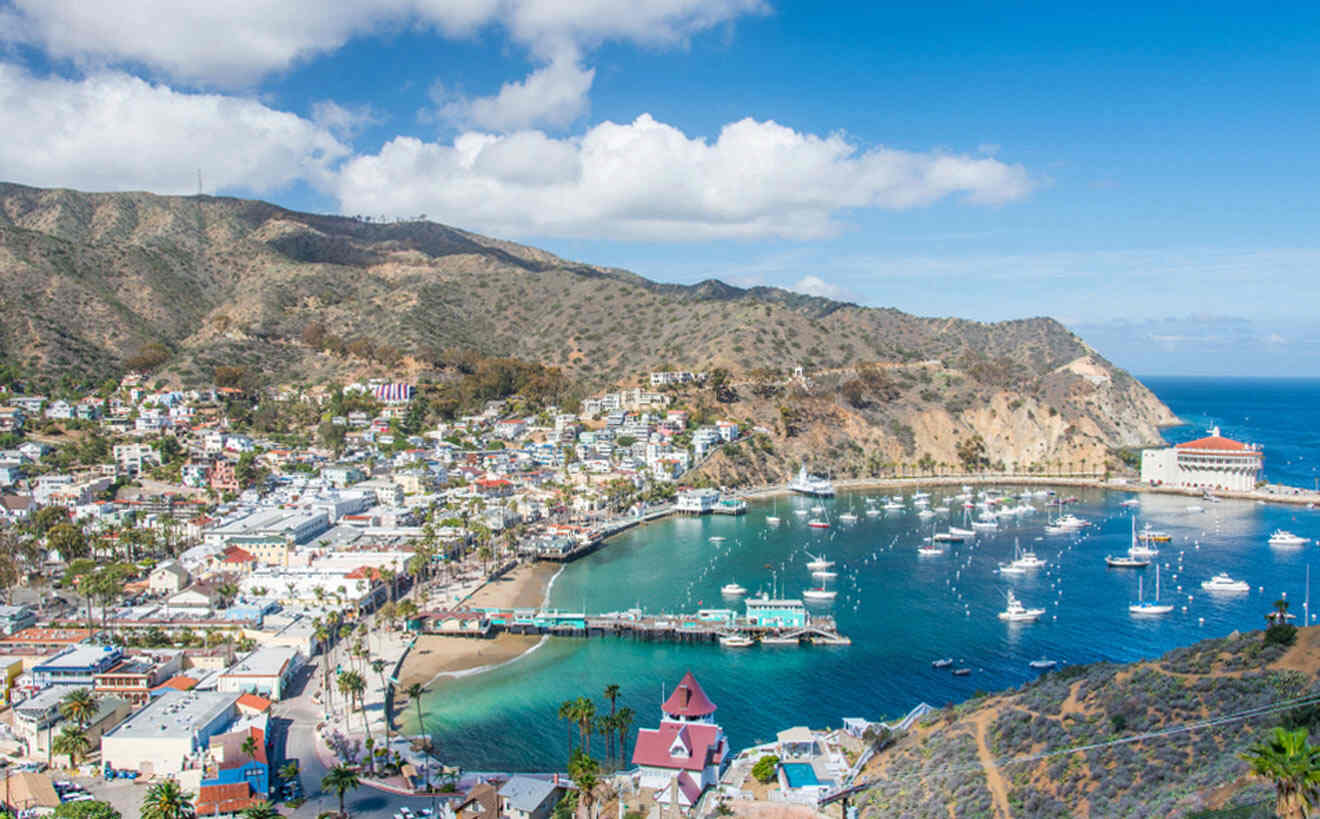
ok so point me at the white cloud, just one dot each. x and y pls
(343, 121)
(554, 95)
(816, 286)
(112, 131)
(235, 43)
(648, 180)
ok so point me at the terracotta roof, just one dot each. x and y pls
(1216, 442)
(652, 747)
(216, 799)
(233, 554)
(688, 700)
(179, 682)
(254, 702)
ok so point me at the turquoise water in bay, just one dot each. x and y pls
(900, 609)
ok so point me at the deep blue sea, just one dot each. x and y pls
(900, 609)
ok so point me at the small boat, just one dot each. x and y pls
(944, 662)
(1283, 538)
(819, 594)
(893, 506)
(1131, 502)
(818, 509)
(1055, 529)
(957, 531)
(920, 496)
(781, 641)
(1126, 562)
(985, 525)
(1142, 607)
(818, 563)
(930, 550)
(925, 514)
(1009, 568)
(848, 517)
(802, 513)
(1195, 508)
(771, 520)
(718, 539)
(962, 672)
(1223, 583)
(947, 537)
(873, 512)
(1043, 664)
(824, 574)
(1015, 612)
(736, 641)
(817, 523)
(732, 590)
(1027, 559)
(1149, 535)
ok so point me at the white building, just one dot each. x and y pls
(133, 458)
(266, 671)
(169, 732)
(697, 501)
(1211, 463)
(686, 754)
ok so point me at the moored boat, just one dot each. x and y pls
(1015, 612)
(1043, 664)
(944, 662)
(1222, 582)
(732, 590)
(736, 641)
(1281, 537)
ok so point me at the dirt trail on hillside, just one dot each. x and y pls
(998, 787)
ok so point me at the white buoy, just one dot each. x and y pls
(1184, 609)
(1190, 598)
(1260, 588)
(1200, 621)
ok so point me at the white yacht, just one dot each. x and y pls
(1142, 607)
(929, 550)
(1131, 502)
(1126, 562)
(948, 537)
(958, 531)
(732, 590)
(737, 641)
(984, 525)
(1223, 583)
(1018, 613)
(1043, 664)
(771, 520)
(847, 517)
(819, 595)
(872, 512)
(818, 563)
(824, 574)
(893, 505)
(1284, 538)
(808, 484)
(718, 539)
(1026, 559)
(802, 513)
(925, 514)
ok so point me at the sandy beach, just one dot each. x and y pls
(433, 655)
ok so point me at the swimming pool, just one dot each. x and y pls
(800, 775)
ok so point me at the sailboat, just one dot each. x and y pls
(820, 594)
(1142, 607)
(773, 520)
(818, 562)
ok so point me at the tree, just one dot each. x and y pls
(622, 723)
(69, 540)
(415, 693)
(611, 694)
(379, 666)
(72, 741)
(1293, 764)
(88, 809)
(765, 768)
(260, 810)
(227, 591)
(971, 452)
(353, 686)
(585, 773)
(249, 747)
(584, 714)
(79, 706)
(166, 800)
(341, 780)
(289, 771)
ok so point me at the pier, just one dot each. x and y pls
(777, 622)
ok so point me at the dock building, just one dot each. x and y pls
(1210, 463)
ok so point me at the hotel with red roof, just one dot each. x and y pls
(685, 755)
(1211, 463)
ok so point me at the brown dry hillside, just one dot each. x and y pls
(90, 280)
(997, 755)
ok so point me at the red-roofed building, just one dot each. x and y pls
(493, 487)
(686, 754)
(180, 683)
(252, 704)
(214, 800)
(1211, 463)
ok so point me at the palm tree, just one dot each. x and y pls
(71, 741)
(585, 773)
(1280, 614)
(289, 771)
(249, 747)
(352, 685)
(378, 666)
(584, 712)
(415, 693)
(1293, 763)
(604, 726)
(611, 694)
(260, 810)
(228, 591)
(79, 706)
(623, 722)
(566, 713)
(341, 779)
(166, 800)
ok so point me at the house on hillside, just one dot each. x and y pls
(686, 754)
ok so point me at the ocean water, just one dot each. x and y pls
(901, 610)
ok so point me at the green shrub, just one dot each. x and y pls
(765, 768)
(1281, 634)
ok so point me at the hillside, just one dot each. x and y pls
(996, 755)
(94, 282)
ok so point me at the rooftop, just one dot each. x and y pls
(688, 699)
(79, 657)
(526, 793)
(268, 661)
(176, 714)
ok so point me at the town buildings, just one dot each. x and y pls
(1210, 463)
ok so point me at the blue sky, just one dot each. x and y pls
(1146, 176)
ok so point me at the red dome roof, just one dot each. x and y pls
(688, 700)
(1216, 442)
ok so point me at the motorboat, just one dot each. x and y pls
(1149, 535)
(1043, 664)
(802, 513)
(817, 523)
(1009, 568)
(873, 512)
(732, 590)
(781, 641)
(847, 517)
(925, 514)
(893, 506)
(718, 539)
(1071, 521)
(1055, 529)
(958, 531)
(1284, 538)
(1131, 502)
(736, 641)
(1141, 607)
(1015, 612)
(920, 496)
(1222, 582)
(944, 662)
(984, 525)
(1195, 508)
(824, 574)
(820, 595)
(929, 550)
(808, 484)
(1126, 562)
(962, 672)
(818, 509)
(771, 520)
(818, 563)
(1025, 560)
(947, 537)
